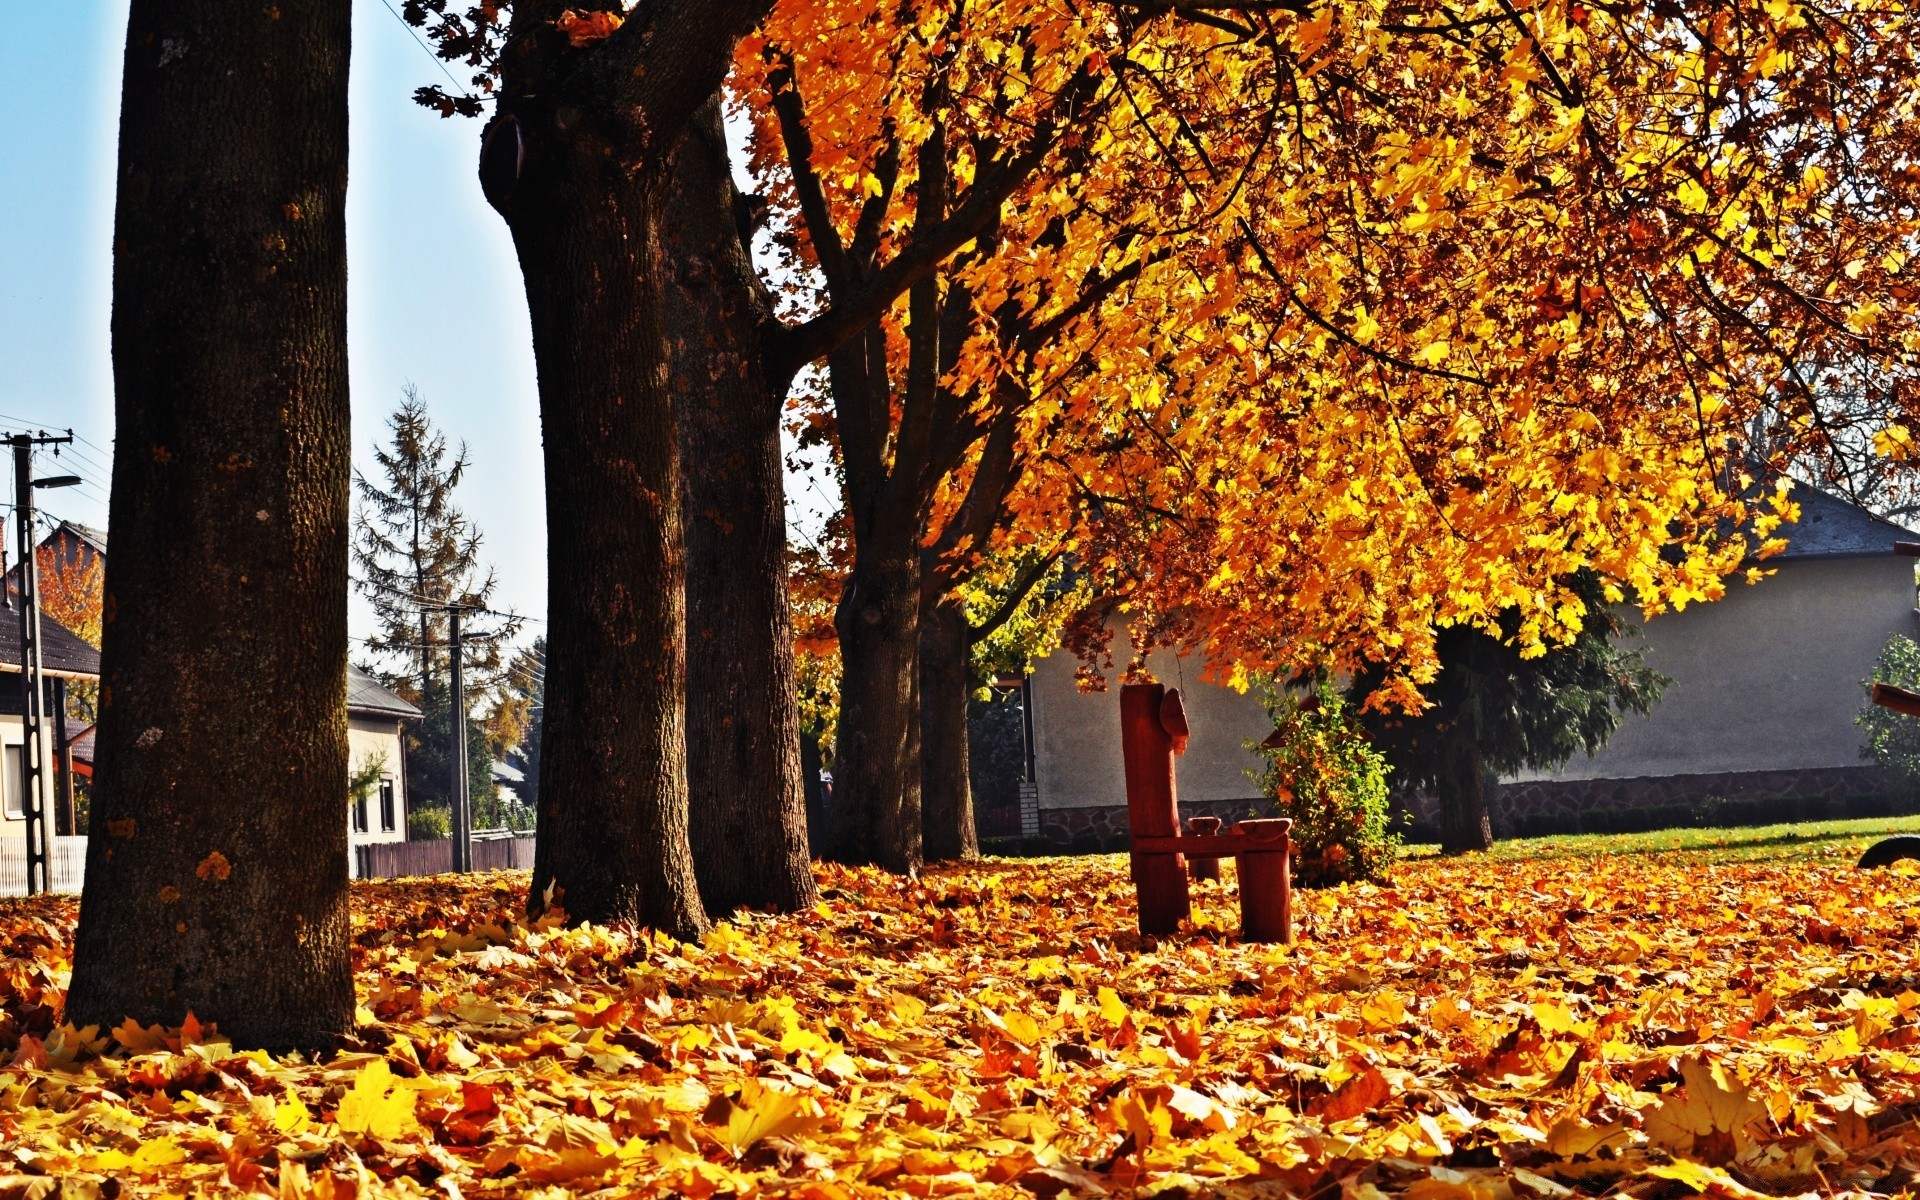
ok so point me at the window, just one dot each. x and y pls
(389, 817)
(360, 814)
(12, 786)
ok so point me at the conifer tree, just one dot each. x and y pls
(1495, 711)
(413, 551)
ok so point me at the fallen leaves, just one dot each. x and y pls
(1648, 1025)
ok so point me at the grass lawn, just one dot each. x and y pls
(1733, 1014)
(1841, 841)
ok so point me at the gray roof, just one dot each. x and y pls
(365, 694)
(61, 651)
(1831, 527)
(80, 737)
(97, 538)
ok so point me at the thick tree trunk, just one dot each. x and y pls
(746, 806)
(876, 773)
(1464, 824)
(217, 870)
(946, 682)
(810, 764)
(613, 787)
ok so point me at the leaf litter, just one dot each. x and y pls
(1641, 1025)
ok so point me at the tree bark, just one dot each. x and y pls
(946, 682)
(746, 805)
(217, 869)
(613, 846)
(1464, 823)
(577, 159)
(876, 773)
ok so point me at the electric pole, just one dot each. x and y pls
(33, 696)
(461, 793)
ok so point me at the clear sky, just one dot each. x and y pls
(434, 293)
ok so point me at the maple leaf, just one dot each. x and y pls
(378, 1105)
(763, 1112)
(1363, 1093)
(1707, 1116)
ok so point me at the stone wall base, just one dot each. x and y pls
(1544, 807)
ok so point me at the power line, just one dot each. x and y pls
(437, 60)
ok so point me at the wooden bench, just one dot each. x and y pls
(1153, 730)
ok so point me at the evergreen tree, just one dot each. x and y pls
(414, 552)
(1493, 711)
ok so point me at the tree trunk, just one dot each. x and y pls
(876, 772)
(217, 870)
(946, 681)
(1464, 824)
(585, 217)
(810, 764)
(746, 806)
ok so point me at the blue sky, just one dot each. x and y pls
(434, 293)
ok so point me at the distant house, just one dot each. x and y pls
(1757, 725)
(65, 660)
(376, 732)
(73, 542)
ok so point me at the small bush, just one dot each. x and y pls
(1325, 775)
(429, 824)
(1893, 739)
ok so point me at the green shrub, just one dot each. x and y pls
(429, 824)
(1893, 739)
(1325, 775)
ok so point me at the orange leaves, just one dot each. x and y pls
(584, 29)
(1474, 1029)
(214, 868)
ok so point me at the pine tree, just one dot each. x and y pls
(415, 551)
(1494, 711)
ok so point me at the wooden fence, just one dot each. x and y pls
(393, 860)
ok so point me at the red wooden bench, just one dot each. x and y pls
(1153, 729)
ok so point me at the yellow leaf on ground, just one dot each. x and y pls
(378, 1105)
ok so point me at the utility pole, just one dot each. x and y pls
(460, 793)
(33, 696)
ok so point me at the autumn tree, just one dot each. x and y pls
(926, 404)
(216, 879)
(590, 104)
(514, 727)
(1494, 710)
(72, 591)
(532, 55)
(1511, 286)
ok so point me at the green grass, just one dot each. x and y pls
(1825, 840)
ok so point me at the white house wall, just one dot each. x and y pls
(369, 737)
(69, 853)
(1076, 735)
(1767, 679)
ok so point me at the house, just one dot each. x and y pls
(376, 736)
(1757, 725)
(72, 542)
(65, 660)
